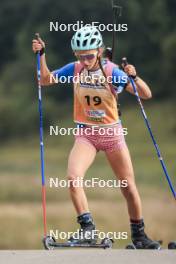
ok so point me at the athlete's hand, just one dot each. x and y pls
(37, 45)
(130, 70)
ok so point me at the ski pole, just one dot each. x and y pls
(41, 140)
(116, 13)
(124, 61)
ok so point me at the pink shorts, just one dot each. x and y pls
(107, 139)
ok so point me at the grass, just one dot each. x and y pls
(20, 183)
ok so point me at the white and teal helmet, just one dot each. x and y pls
(87, 38)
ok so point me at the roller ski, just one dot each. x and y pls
(50, 244)
(87, 237)
(140, 240)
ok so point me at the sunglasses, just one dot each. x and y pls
(86, 56)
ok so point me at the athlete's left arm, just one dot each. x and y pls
(142, 88)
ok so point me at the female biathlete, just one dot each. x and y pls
(95, 105)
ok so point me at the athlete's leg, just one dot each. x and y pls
(81, 157)
(121, 164)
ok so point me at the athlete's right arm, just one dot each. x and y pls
(37, 46)
(46, 76)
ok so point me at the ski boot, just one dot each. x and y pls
(87, 233)
(139, 238)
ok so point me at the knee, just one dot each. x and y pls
(75, 179)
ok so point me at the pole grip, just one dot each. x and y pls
(124, 61)
(37, 35)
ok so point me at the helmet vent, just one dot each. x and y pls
(84, 42)
(93, 40)
(88, 34)
(78, 42)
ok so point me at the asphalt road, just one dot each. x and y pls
(88, 256)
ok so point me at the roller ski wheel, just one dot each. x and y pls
(48, 242)
(108, 243)
(172, 245)
(130, 246)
